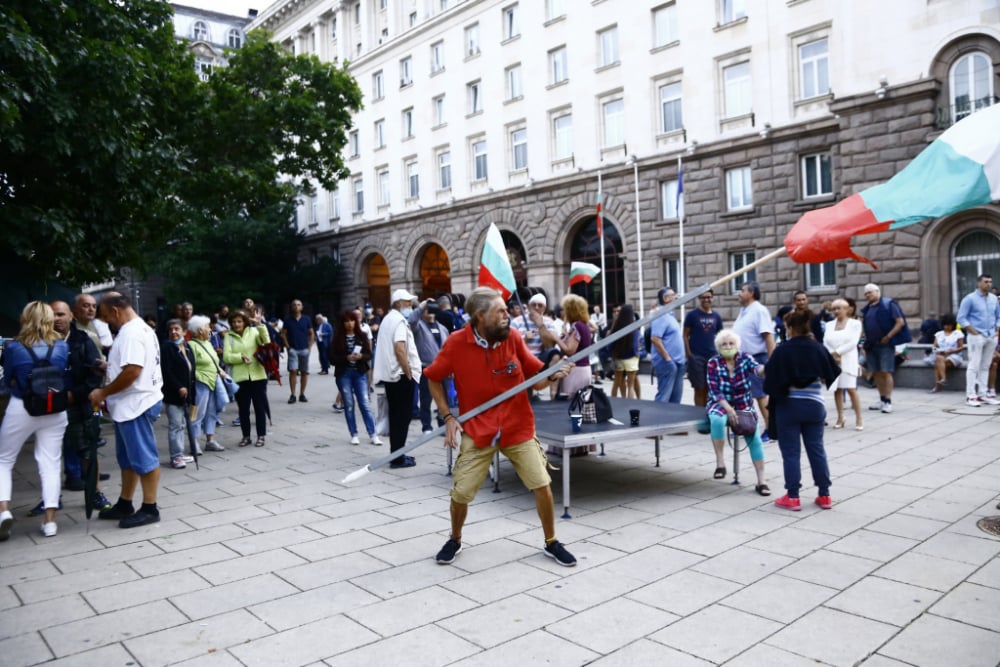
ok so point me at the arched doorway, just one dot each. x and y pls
(974, 254)
(586, 247)
(518, 258)
(435, 272)
(377, 275)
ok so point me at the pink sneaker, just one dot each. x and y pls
(824, 502)
(793, 504)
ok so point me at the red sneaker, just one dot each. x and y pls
(824, 502)
(789, 503)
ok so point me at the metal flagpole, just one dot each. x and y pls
(638, 235)
(681, 273)
(600, 239)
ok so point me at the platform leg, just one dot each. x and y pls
(565, 472)
(736, 458)
(496, 471)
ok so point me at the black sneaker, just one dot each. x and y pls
(403, 462)
(448, 552)
(118, 511)
(140, 518)
(557, 552)
(303, 399)
(291, 399)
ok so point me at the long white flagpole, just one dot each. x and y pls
(681, 274)
(600, 239)
(638, 235)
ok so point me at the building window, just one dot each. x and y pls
(613, 118)
(737, 260)
(739, 189)
(976, 252)
(333, 28)
(558, 65)
(378, 85)
(199, 32)
(203, 68)
(382, 4)
(235, 39)
(408, 123)
(519, 149)
(732, 10)
(608, 40)
(413, 19)
(444, 169)
(335, 204)
(442, 5)
(511, 26)
(380, 133)
(562, 135)
(355, 142)
(515, 90)
(359, 195)
(479, 172)
(556, 9)
(814, 68)
(437, 57)
(335, 252)
(817, 175)
(668, 203)
(671, 117)
(475, 100)
(312, 42)
(439, 115)
(405, 71)
(665, 25)
(820, 276)
(412, 180)
(472, 40)
(382, 178)
(971, 84)
(736, 88)
(357, 13)
(672, 274)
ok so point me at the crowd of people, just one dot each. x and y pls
(419, 359)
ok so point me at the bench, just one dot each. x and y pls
(918, 373)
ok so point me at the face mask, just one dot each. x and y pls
(406, 312)
(178, 341)
(728, 353)
(368, 311)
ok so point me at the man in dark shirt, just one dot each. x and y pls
(299, 336)
(700, 327)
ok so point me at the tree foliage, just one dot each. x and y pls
(112, 148)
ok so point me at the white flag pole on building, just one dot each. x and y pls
(638, 235)
(681, 274)
(600, 240)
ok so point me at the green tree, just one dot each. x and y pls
(110, 146)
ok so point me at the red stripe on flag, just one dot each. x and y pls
(487, 279)
(825, 234)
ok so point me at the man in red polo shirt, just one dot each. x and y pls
(487, 358)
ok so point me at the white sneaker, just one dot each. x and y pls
(49, 529)
(354, 440)
(6, 521)
(991, 393)
(989, 401)
(178, 462)
(887, 408)
(186, 458)
(974, 402)
(876, 406)
(376, 440)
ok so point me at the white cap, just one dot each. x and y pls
(402, 295)
(538, 298)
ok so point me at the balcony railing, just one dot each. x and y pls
(948, 116)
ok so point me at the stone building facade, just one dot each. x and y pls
(884, 104)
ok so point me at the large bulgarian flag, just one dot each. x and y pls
(582, 272)
(494, 267)
(959, 170)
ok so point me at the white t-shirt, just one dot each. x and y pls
(948, 342)
(393, 329)
(135, 345)
(750, 325)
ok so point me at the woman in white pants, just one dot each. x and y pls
(38, 333)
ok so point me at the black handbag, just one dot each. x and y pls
(593, 404)
(745, 422)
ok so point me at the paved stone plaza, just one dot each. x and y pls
(264, 558)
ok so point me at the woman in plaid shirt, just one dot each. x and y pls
(728, 391)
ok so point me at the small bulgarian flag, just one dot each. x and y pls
(582, 272)
(494, 267)
(957, 171)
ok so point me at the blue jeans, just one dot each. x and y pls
(324, 356)
(353, 385)
(208, 414)
(669, 380)
(800, 421)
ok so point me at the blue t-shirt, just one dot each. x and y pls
(668, 329)
(702, 328)
(297, 331)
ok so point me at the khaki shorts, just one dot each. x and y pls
(630, 365)
(473, 465)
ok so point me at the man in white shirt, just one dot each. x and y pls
(397, 367)
(755, 327)
(134, 396)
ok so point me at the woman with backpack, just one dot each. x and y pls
(36, 369)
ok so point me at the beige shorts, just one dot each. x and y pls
(473, 465)
(630, 365)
